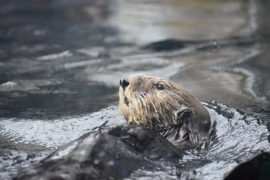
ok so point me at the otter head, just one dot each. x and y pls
(156, 102)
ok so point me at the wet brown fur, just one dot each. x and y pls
(171, 110)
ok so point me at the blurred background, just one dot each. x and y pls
(64, 58)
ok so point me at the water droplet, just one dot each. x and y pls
(111, 163)
(96, 161)
(101, 154)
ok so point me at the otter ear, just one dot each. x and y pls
(183, 112)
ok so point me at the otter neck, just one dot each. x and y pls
(175, 134)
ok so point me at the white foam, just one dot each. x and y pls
(55, 56)
(9, 84)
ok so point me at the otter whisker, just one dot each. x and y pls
(150, 100)
(140, 107)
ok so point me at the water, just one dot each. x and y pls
(237, 138)
(61, 62)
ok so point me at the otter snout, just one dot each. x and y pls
(124, 83)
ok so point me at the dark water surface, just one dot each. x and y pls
(39, 58)
(61, 60)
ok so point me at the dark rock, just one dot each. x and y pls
(165, 45)
(257, 168)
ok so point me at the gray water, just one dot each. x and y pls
(61, 62)
(237, 138)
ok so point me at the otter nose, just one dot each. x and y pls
(124, 83)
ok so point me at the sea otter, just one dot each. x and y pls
(165, 107)
(163, 118)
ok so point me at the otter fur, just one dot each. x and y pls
(165, 107)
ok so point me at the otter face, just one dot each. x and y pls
(153, 101)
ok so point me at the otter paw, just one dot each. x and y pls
(151, 143)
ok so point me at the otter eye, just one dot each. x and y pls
(160, 87)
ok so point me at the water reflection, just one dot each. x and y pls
(143, 22)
